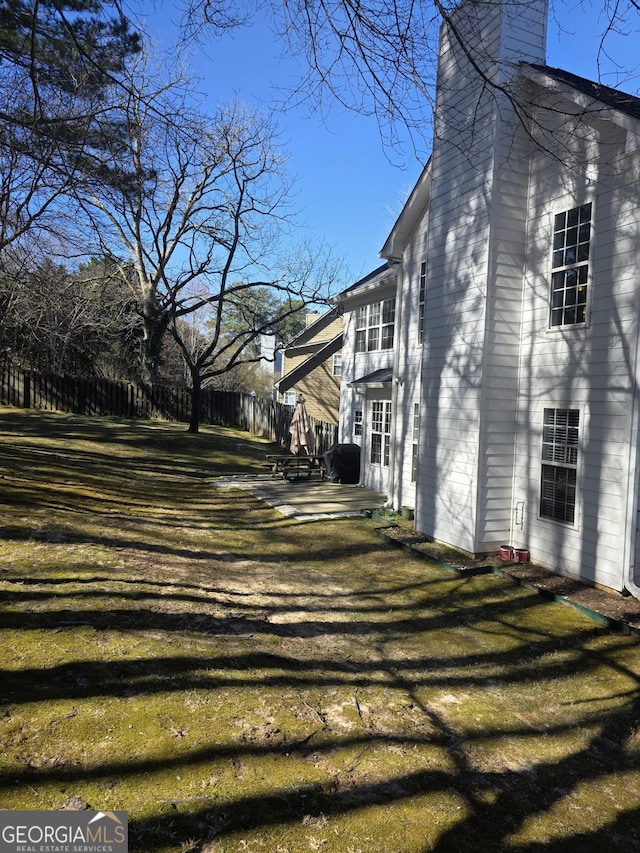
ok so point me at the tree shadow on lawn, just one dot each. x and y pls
(496, 803)
(560, 776)
(488, 824)
(461, 604)
(212, 451)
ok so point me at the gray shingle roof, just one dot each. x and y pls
(614, 98)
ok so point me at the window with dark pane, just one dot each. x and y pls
(380, 432)
(560, 435)
(377, 421)
(422, 295)
(361, 329)
(414, 443)
(570, 266)
(357, 422)
(388, 320)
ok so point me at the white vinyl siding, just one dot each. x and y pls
(587, 370)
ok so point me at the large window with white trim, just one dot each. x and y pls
(380, 432)
(570, 266)
(374, 325)
(560, 437)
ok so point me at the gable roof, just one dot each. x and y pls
(613, 98)
(309, 332)
(364, 280)
(315, 360)
(381, 275)
(413, 209)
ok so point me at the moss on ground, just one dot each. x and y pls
(239, 681)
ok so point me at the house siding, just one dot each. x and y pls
(457, 249)
(481, 218)
(319, 386)
(409, 366)
(356, 365)
(591, 368)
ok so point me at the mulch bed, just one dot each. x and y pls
(616, 610)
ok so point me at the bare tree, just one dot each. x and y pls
(379, 58)
(259, 307)
(201, 219)
(58, 321)
(33, 184)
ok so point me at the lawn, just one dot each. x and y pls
(239, 681)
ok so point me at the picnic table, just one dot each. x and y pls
(292, 467)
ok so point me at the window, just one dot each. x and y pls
(388, 319)
(373, 338)
(570, 266)
(289, 398)
(361, 329)
(337, 364)
(559, 464)
(422, 293)
(380, 432)
(374, 325)
(357, 423)
(414, 447)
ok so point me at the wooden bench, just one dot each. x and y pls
(296, 467)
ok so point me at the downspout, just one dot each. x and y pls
(633, 480)
(393, 491)
(519, 507)
(361, 390)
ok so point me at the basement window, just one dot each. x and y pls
(560, 434)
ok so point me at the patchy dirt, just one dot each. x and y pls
(620, 608)
(239, 681)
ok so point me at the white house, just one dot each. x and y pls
(365, 395)
(507, 409)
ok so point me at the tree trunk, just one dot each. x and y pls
(154, 327)
(196, 400)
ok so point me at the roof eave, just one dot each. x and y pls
(544, 76)
(317, 358)
(411, 212)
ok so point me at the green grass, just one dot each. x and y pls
(239, 681)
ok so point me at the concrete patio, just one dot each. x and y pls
(306, 499)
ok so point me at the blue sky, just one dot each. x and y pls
(347, 190)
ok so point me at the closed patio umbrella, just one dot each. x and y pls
(300, 429)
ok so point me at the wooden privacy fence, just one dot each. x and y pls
(107, 397)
